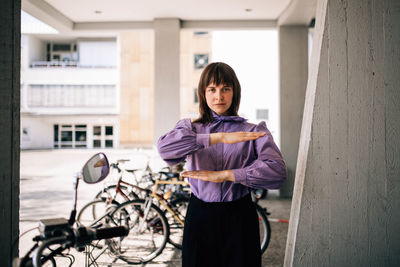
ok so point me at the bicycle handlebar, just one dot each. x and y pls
(77, 237)
(89, 234)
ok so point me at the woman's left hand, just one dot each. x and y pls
(211, 176)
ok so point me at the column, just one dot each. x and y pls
(10, 47)
(346, 201)
(293, 57)
(166, 75)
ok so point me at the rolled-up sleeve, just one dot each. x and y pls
(175, 145)
(268, 171)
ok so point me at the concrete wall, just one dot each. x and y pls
(37, 49)
(37, 133)
(166, 80)
(89, 52)
(10, 13)
(346, 202)
(293, 65)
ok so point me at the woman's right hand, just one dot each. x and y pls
(234, 137)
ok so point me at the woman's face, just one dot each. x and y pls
(219, 98)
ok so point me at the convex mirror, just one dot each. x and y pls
(96, 169)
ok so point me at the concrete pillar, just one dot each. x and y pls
(166, 75)
(10, 36)
(293, 59)
(346, 201)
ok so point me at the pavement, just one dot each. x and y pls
(46, 191)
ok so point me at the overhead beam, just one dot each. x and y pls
(47, 14)
(228, 24)
(113, 26)
(185, 24)
(298, 12)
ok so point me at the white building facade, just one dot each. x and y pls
(69, 93)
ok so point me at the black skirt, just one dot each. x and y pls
(223, 234)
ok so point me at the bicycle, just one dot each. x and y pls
(142, 212)
(264, 226)
(59, 234)
(147, 180)
(175, 194)
(178, 202)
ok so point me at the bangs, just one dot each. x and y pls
(219, 75)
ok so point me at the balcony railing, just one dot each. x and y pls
(71, 96)
(64, 64)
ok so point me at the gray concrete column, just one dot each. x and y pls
(166, 75)
(293, 59)
(346, 201)
(10, 36)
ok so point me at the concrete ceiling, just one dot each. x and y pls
(106, 17)
(148, 10)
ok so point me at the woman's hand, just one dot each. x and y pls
(211, 176)
(235, 137)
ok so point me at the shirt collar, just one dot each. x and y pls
(218, 118)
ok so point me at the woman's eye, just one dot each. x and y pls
(227, 89)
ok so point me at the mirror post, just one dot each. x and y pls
(73, 212)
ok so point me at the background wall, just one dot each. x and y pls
(136, 87)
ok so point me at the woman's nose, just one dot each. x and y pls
(219, 95)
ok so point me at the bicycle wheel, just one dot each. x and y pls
(179, 206)
(92, 211)
(265, 228)
(148, 231)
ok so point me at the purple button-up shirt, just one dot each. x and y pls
(256, 164)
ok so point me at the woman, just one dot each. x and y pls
(225, 157)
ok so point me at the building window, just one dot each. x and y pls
(66, 136)
(201, 34)
(55, 135)
(262, 114)
(103, 136)
(97, 130)
(109, 143)
(65, 52)
(200, 61)
(96, 136)
(108, 136)
(196, 96)
(80, 136)
(96, 143)
(69, 136)
(109, 130)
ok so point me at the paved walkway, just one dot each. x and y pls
(47, 192)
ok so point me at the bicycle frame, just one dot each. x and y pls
(163, 202)
(154, 195)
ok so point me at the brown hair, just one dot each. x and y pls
(217, 73)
